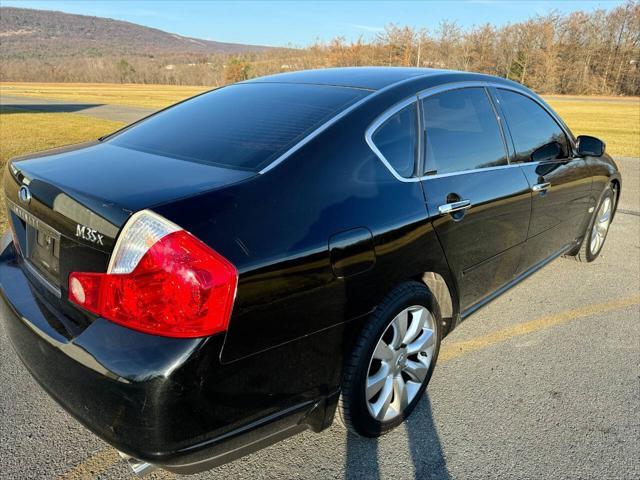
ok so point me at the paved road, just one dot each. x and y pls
(118, 113)
(630, 198)
(543, 383)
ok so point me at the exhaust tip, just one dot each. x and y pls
(138, 467)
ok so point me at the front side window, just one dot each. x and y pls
(536, 135)
(396, 140)
(461, 132)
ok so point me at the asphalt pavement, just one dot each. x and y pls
(119, 113)
(542, 383)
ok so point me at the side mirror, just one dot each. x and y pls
(590, 146)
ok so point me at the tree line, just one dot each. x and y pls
(577, 53)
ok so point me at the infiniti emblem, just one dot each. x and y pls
(24, 195)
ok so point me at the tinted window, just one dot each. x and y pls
(396, 139)
(241, 126)
(461, 132)
(535, 133)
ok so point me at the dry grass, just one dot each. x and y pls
(617, 123)
(616, 120)
(22, 133)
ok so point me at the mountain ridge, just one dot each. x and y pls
(30, 33)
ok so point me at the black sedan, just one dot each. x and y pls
(243, 265)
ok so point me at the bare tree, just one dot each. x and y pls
(579, 53)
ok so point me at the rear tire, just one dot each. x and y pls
(597, 229)
(383, 369)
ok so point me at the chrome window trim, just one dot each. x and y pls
(445, 88)
(472, 170)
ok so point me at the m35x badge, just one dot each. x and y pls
(89, 234)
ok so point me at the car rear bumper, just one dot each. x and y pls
(169, 402)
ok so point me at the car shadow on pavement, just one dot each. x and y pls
(422, 442)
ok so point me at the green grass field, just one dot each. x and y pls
(22, 133)
(618, 124)
(615, 120)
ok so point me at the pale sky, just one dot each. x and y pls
(300, 23)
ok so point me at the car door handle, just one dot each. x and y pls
(454, 206)
(541, 187)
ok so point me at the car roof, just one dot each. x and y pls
(370, 78)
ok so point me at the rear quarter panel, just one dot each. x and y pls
(276, 230)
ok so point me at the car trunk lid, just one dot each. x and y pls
(67, 206)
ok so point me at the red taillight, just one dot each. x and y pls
(179, 288)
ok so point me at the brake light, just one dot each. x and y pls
(161, 280)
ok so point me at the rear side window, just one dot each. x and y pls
(461, 132)
(396, 140)
(536, 135)
(244, 126)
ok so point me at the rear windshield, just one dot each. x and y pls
(244, 126)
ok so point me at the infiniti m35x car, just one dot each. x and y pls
(264, 257)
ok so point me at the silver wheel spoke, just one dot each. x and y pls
(376, 381)
(400, 328)
(425, 341)
(418, 319)
(412, 389)
(381, 405)
(600, 227)
(605, 211)
(383, 351)
(416, 370)
(401, 397)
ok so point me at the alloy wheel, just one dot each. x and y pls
(600, 226)
(400, 363)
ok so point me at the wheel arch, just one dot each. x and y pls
(617, 188)
(444, 290)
